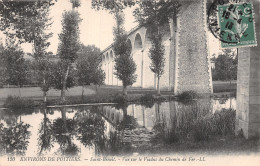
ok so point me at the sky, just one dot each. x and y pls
(96, 27)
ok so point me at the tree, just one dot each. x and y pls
(58, 69)
(69, 45)
(2, 64)
(225, 66)
(45, 134)
(15, 69)
(152, 14)
(125, 66)
(28, 21)
(89, 67)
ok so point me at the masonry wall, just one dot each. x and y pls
(248, 85)
(193, 70)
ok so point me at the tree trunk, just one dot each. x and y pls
(158, 85)
(44, 128)
(19, 90)
(64, 84)
(230, 92)
(96, 89)
(44, 96)
(124, 90)
(44, 91)
(82, 95)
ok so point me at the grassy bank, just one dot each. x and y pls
(103, 94)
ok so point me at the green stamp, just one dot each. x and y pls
(236, 23)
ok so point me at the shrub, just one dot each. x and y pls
(147, 100)
(15, 102)
(187, 96)
(119, 98)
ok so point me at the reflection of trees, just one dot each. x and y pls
(223, 100)
(63, 130)
(45, 134)
(14, 139)
(90, 129)
(11, 116)
(128, 121)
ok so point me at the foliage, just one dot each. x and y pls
(225, 66)
(25, 20)
(69, 38)
(187, 96)
(28, 21)
(45, 134)
(152, 14)
(90, 128)
(112, 5)
(157, 55)
(69, 45)
(147, 100)
(14, 67)
(125, 66)
(61, 128)
(75, 3)
(17, 103)
(45, 75)
(156, 12)
(89, 66)
(58, 70)
(120, 99)
(14, 139)
(2, 65)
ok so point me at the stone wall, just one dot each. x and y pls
(248, 84)
(192, 68)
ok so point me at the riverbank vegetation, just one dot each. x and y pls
(106, 94)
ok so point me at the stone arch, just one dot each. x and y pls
(138, 43)
(137, 54)
(111, 68)
(103, 58)
(147, 37)
(129, 45)
(107, 57)
(107, 68)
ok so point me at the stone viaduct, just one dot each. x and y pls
(188, 64)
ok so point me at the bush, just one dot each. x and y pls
(187, 96)
(147, 100)
(15, 102)
(119, 98)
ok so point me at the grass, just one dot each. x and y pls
(218, 145)
(105, 94)
(224, 86)
(15, 102)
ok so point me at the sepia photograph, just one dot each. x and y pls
(129, 82)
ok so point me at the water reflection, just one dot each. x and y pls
(110, 130)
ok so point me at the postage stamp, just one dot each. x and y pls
(236, 23)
